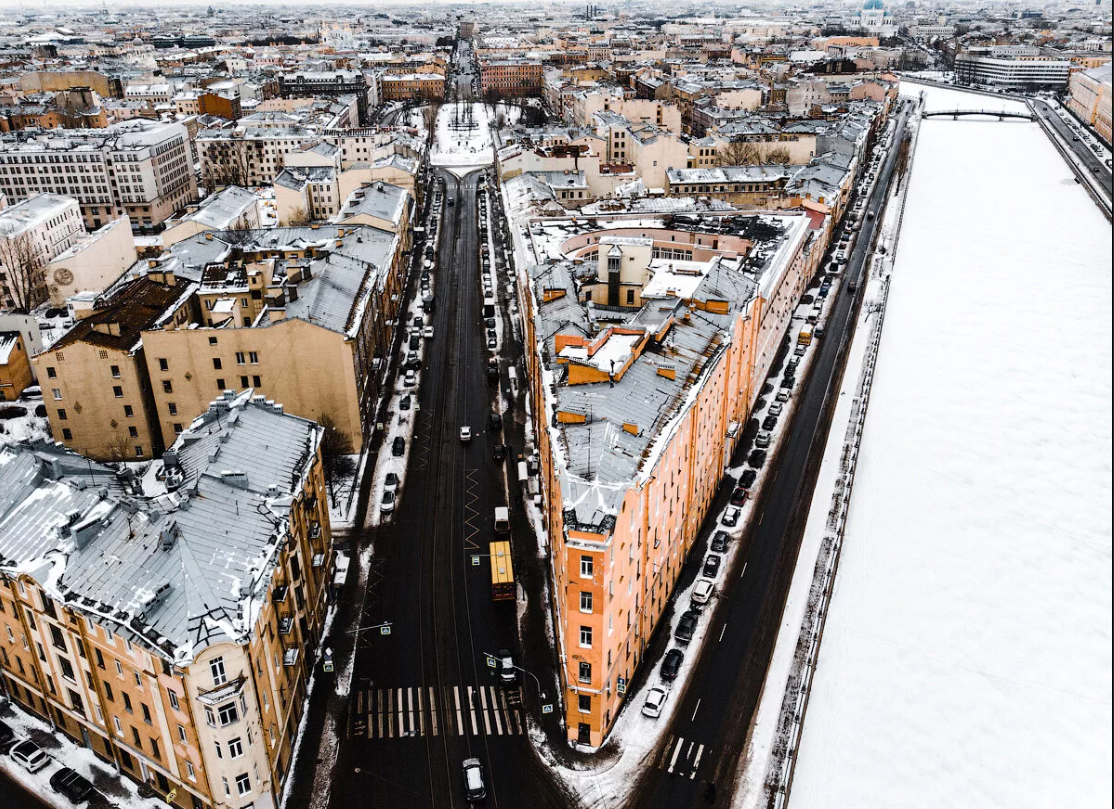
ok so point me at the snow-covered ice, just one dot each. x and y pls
(966, 659)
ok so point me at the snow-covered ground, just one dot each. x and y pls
(966, 659)
(463, 140)
(27, 427)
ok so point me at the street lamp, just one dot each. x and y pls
(493, 661)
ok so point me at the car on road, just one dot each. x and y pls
(499, 452)
(427, 332)
(415, 341)
(387, 503)
(398, 446)
(71, 784)
(495, 421)
(30, 756)
(418, 322)
(775, 409)
(686, 626)
(473, 773)
(719, 541)
(762, 440)
(671, 664)
(508, 674)
(465, 433)
(747, 478)
(739, 496)
(818, 331)
(784, 394)
(703, 591)
(492, 342)
(410, 379)
(730, 517)
(712, 564)
(390, 482)
(655, 701)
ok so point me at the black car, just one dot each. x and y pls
(711, 566)
(404, 402)
(415, 342)
(418, 322)
(493, 371)
(496, 421)
(687, 625)
(769, 422)
(398, 446)
(757, 458)
(739, 496)
(747, 478)
(719, 541)
(72, 784)
(671, 664)
(7, 736)
(499, 451)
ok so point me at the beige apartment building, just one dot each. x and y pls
(172, 630)
(32, 233)
(640, 408)
(92, 263)
(140, 169)
(230, 311)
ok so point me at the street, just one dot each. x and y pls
(423, 698)
(704, 743)
(1083, 154)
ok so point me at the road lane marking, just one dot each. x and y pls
(696, 764)
(694, 710)
(676, 752)
(472, 711)
(432, 712)
(390, 714)
(744, 570)
(495, 710)
(410, 706)
(360, 701)
(722, 631)
(401, 714)
(665, 753)
(483, 711)
(459, 715)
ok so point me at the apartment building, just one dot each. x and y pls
(248, 155)
(140, 169)
(641, 404)
(760, 186)
(94, 262)
(412, 86)
(32, 233)
(1091, 98)
(326, 84)
(172, 628)
(508, 78)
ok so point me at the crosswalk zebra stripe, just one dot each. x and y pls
(432, 712)
(459, 715)
(483, 712)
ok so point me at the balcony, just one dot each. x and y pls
(314, 529)
(286, 625)
(290, 657)
(278, 595)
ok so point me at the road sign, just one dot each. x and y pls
(327, 667)
(621, 686)
(547, 708)
(491, 662)
(475, 560)
(385, 630)
(171, 795)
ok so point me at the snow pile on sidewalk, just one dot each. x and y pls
(966, 659)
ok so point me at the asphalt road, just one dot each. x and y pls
(703, 743)
(1083, 153)
(423, 698)
(14, 796)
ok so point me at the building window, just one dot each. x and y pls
(585, 672)
(127, 701)
(586, 637)
(67, 669)
(243, 382)
(256, 382)
(227, 714)
(177, 427)
(173, 697)
(67, 434)
(216, 668)
(172, 408)
(117, 391)
(189, 769)
(220, 384)
(239, 357)
(129, 411)
(115, 371)
(51, 373)
(585, 567)
(62, 414)
(155, 748)
(167, 386)
(139, 451)
(584, 703)
(253, 357)
(243, 783)
(235, 748)
(163, 364)
(57, 394)
(585, 602)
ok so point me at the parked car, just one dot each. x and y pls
(769, 422)
(719, 541)
(30, 756)
(731, 517)
(473, 772)
(703, 591)
(405, 402)
(655, 701)
(686, 626)
(762, 440)
(387, 503)
(418, 322)
(712, 563)
(784, 394)
(410, 379)
(496, 421)
(757, 458)
(492, 342)
(71, 784)
(739, 496)
(775, 409)
(415, 341)
(499, 452)
(390, 482)
(748, 477)
(671, 664)
(427, 332)
(398, 446)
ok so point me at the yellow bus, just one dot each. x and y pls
(502, 573)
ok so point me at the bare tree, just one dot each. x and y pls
(230, 164)
(118, 448)
(778, 154)
(336, 455)
(429, 117)
(22, 274)
(297, 218)
(739, 153)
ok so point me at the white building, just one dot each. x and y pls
(996, 67)
(32, 233)
(875, 20)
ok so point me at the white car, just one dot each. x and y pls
(702, 591)
(427, 332)
(30, 756)
(466, 433)
(387, 504)
(655, 701)
(410, 380)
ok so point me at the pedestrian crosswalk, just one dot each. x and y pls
(681, 757)
(458, 710)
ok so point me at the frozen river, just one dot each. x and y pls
(966, 660)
